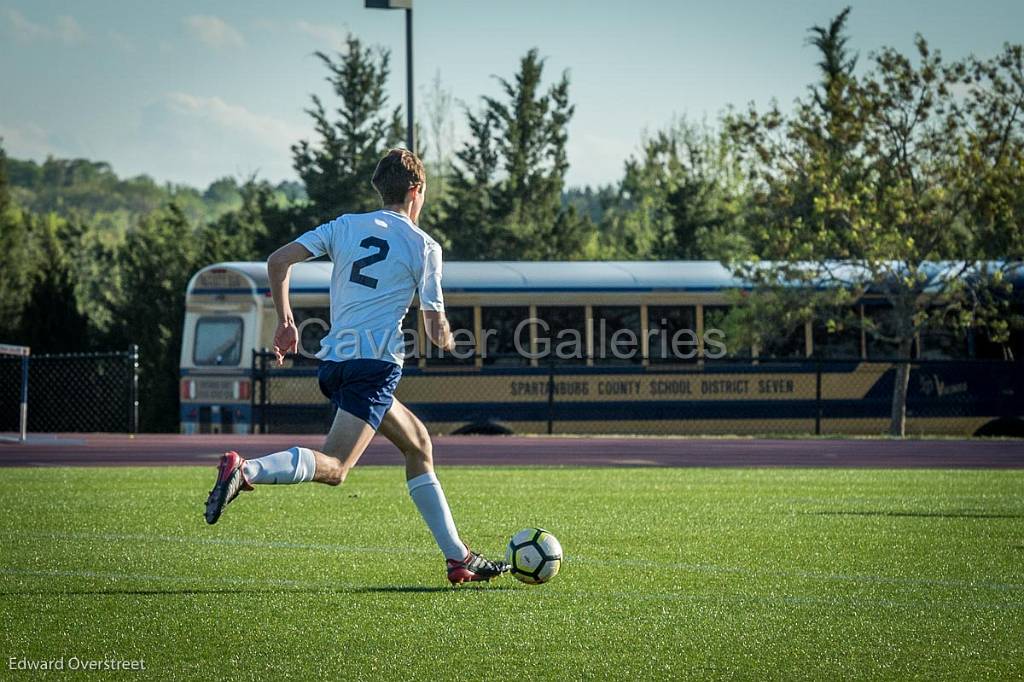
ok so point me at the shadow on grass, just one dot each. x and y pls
(927, 515)
(185, 591)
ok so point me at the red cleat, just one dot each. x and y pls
(230, 482)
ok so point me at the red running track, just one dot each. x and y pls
(166, 449)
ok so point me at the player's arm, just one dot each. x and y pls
(435, 322)
(279, 269)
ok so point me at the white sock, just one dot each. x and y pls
(294, 465)
(426, 493)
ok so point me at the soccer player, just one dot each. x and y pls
(380, 260)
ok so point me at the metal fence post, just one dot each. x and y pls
(23, 416)
(133, 389)
(817, 396)
(263, 391)
(252, 393)
(551, 398)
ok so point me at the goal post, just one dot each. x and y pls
(24, 353)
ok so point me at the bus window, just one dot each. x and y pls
(672, 334)
(987, 349)
(944, 344)
(843, 343)
(718, 333)
(313, 325)
(564, 340)
(620, 324)
(790, 343)
(879, 320)
(499, 324)
(218, 341)
(461, 320)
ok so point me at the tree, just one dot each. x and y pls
(156, 262)
(17, 264)
(337, 167)
(240, 234)
(54, 322)
(678, 199)
(505, 196)
(879, 191)
(439, 103)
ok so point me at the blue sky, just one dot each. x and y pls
(190, 91)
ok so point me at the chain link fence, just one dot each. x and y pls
(721, 397)
(75, 392)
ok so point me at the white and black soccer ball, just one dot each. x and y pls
(535, 555)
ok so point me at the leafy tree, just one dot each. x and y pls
(875, 191)
(53, 321)
(591, 202)
(223, 195)
(679, 199)
(89, 192)
(336, 167)
(17, 264)
(240, 234)
(156, 263)
(505, 196)
(993, 150)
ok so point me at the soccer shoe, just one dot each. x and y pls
(230, 482)
(474, 568)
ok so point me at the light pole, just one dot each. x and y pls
(410, 134)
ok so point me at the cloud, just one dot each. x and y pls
(217, 112)
(193, 138)
(331, 36)
(64, 28)
(68, 30)
(121, 41)
(213, 31)
(26, 141)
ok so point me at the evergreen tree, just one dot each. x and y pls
(337, 167)
(505, 198)
(156, 263)
(53, 321)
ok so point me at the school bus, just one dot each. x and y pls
(534, 358)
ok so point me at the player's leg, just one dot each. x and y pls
(409, 435)
(361, 391)
(344, 445)
(346, 441)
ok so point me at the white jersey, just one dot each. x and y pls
(380, 260)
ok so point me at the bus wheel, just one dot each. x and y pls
(1007, 427)
(482, 429)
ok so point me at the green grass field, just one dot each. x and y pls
(670, 573)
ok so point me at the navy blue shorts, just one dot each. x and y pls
(362, 388)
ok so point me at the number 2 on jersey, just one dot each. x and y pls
(382, 252)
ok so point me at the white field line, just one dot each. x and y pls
(710, 569)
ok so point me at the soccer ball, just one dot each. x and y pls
(535, 555)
